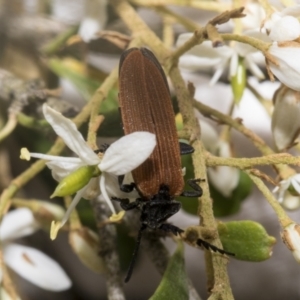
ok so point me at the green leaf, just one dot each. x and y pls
(174, 284)
(224, 206)
(248, 240)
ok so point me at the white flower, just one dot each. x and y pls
(120, 158)
(286, 117)
(286, 28)
(205, 57)
(291, 184)
(224, 179)
(285, 64)
(30, 263)
(283, 26)
(291, 237)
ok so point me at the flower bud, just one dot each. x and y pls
(85, 243)
(75, 181)
(286, 117)
(238, 81)
(224, 179)
(285, 64)
(291, 238)
(290, 201)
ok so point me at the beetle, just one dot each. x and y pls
(145, 105)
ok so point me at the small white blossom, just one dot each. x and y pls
(30, 263)
(286, 117)
(206, 57)
(255, 14)
(286, 28)
(120, 158)
(292, 183)
(291, 237)
(284, 25)
(285, 64)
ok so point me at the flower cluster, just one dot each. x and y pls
(281, 30)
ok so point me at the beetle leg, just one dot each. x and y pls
(171, 228)
(209, 246)
(197, 188)
(127, 188)
(185, 148)
(125, 203)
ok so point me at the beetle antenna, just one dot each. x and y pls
(135, 252)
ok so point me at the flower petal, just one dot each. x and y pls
(295, 185)
(61, 169)
(288, 68)
(291, 11)
(233, 65)
(5, 296)
(113, 188)
(286, 28)
(67, 130)
(17, 223)
(55, 226)
(224, 179)
(218, 73)
(252, 66)
(194, 63)
(286, 117)
(88, 28)
(205, 49)
(128, 152)
(36, 267)
(105, 195)
(209, 137)
(291, 238)
(290, 202)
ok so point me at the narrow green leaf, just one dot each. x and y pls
(174, 284)
(248, 240)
